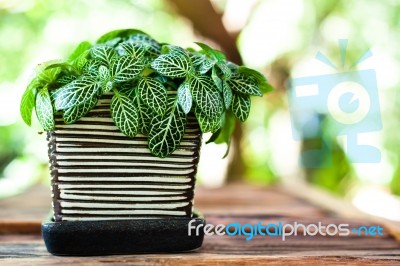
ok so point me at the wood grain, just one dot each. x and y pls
(242, 203)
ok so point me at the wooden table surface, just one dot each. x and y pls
(21, 242)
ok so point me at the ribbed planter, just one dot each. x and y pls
(98, 174)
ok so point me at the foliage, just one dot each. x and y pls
(154, 86)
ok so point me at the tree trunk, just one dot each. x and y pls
(211, 26)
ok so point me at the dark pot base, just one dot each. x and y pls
(91, 238)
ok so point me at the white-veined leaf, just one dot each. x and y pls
(103, 53)
(114, 42)
(207, 124)
(144, 111)
(74, 113)
(167, 131)
(118, 34)
(260, 79)
(128, 89)
(244, 85)
(65, 79)
(133, 49)
(202, 63)
(44, 109)
(152, 47)
(126, 68)
(107, 86)
(185, 99)
(175, 65)
(76, 93)
(161, 78)
(153, 93)
(104, 73)
(145, 115)
(206, 95)
(226, 71)
(241, 106)
(124, 114)
(91, 67)
(169, 49)
(227, 93)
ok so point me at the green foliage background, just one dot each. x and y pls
(277, 38)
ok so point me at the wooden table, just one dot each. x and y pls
(21, 242)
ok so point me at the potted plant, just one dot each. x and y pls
(125, 118)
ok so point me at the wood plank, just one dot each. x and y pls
(242, 203)
(34, 205)
(24, 250)
(336, 205)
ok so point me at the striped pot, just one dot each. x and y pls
(100, 174)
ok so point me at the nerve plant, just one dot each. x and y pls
(155, 88)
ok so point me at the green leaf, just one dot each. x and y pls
(76, 93)
(218, 55)
(44, 109)
(206, 95)
(135, 50)
(80, 62)
(214, 136)
(241, 106)
(262, 82)
(227, 93)
(126, 68)
(124, 114)
(224, 134)
(227, 129)
(243, 84)
(118, 34)
(79, 50)
(207, 124)
(48, 76)
(103, 53)
(43, 74)
(28, 103)
(76, 112)
(153, 93)
(175, 65)
(167, 131)
(145, 115)
(215, 77)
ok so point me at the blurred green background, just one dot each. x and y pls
(277, 37)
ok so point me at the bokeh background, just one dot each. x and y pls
(280, 38)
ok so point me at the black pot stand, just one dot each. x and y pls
(107, 237)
